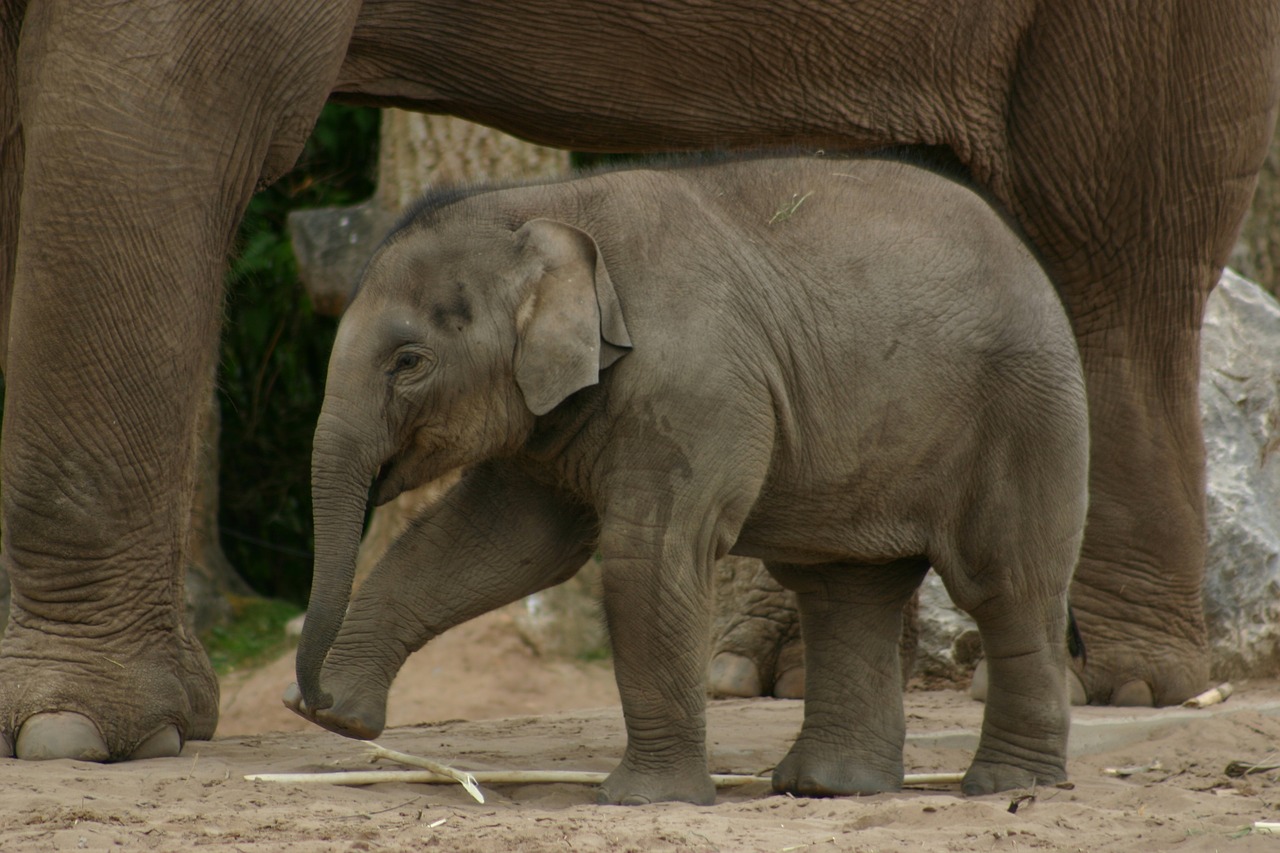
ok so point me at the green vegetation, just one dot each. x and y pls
(274, 353)
(254, 635)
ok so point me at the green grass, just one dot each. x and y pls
(254, 636)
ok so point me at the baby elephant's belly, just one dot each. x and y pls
(808, 529)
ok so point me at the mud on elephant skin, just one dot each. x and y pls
(126, 163)
(655, 363)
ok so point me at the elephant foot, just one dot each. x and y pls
(788, 682)
(65, 734)
(1121, 674)
(629, 786)
(734, 676)
(991, 777)
(361, 715)
(60, 734)
(1141, 630)
(1123, 690)
(756, 621)
(817, 770)
(103, 704)
(762, 670)
(1133, 694)
(1075, 688)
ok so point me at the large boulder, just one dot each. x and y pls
(1240, 405)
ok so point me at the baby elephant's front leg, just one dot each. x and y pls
(657, 601)
(494, 538)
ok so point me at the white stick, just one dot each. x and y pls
(374, 777)
(1210, 697)
(528, 777)
(466, 780)
(1125, 772)
(918, 779)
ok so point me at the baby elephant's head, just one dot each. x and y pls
(458, 339)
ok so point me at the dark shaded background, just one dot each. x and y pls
(275, 349)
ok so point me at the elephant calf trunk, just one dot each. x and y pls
(339, 486)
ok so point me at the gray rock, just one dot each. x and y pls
(1240, 405)
(565, 621)
(1240, 408)
(332, 245)
(949, 646)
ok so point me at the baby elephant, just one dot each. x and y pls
(848, 368)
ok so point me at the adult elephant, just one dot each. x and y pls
(1123, 137)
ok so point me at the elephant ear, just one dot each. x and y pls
(569, 325)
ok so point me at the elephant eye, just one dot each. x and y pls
(410, 360)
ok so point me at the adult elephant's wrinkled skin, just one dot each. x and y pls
(1124, 139)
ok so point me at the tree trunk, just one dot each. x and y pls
(211, 580)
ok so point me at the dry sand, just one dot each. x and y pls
(503, 707)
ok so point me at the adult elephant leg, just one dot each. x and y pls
(10, 171)
(1137, 589)
(144, 139)
(1135, 220)
(756, 648)
(10, 194)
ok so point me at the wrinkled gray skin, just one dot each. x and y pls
(1124, 138)
(849, 369)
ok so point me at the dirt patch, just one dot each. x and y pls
(478, 671)
(525, 712)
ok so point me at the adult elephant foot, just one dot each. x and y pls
(66, 734)
(1146, 659)
(757, 650)
(1136, 654)
(1075, 687)
(100, 704)
(737, 675)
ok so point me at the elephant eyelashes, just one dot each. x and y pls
(410, 361)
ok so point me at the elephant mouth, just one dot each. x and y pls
(384, 487)
(396, 476)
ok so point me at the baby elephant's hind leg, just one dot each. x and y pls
(853, 733)
(1027, 714)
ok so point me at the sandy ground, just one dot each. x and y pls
(480, 699)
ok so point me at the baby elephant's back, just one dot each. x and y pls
(931, 323)
(874, 252)
(885, 230)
